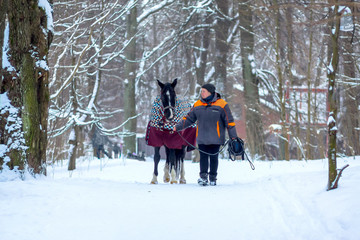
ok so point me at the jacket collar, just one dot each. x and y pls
(215, 97)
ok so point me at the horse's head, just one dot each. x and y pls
(168, 99)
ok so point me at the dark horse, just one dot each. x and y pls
(165, 114)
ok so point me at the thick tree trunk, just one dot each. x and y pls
(289, 74)
(333, 60)
(201, 57)
(130, 78)
(254, 125)
(222, 48)
(28, 90)
(283, 140)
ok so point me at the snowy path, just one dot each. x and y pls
(279, 200)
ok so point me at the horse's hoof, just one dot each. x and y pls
(153, 182)
(166, 180)
(182, 181)
(174, 181)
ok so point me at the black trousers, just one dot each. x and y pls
(205, 159)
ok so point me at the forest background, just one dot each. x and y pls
(289, 70)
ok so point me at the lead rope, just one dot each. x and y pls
(250, 162)
(247, 158)
(202, 150)
(226, 143)
(231, 152)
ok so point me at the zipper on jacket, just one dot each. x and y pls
(218, 128)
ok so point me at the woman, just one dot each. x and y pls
(213, 115)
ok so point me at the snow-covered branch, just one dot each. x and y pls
(153, 10)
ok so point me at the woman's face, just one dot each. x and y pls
(204, 93)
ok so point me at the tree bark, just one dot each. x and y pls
(254, 124)
(201, 58)
(333, 60)
(74, 133)
(3, 9)
(308, 151)
(222, 48)
(130, 78)
(288, 70)
(28, 89)
(283, 140)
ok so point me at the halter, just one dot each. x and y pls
(157, 118)
(164, 108)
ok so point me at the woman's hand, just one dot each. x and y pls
(174, 129)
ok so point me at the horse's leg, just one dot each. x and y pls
(182, 168)
(173, 167)
(156, 163)
(166, 168)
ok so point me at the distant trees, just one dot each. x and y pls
(349, 124)
(106, 55)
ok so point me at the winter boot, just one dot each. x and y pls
(203, 180)
(212, 180)
(212, 183)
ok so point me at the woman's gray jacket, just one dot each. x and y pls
(212, 119)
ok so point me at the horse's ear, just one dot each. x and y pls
(160, 84)
(174, 83)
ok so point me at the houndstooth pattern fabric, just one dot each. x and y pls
(157, 119)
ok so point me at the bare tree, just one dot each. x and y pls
(254, 129)
(308, 76)
(284, 140)
(130, 77)
(221, 45)
(333, 61)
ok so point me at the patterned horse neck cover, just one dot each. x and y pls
(157, 118)
(159, 131)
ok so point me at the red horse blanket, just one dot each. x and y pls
(159, 132)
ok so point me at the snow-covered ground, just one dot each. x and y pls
(114, 200)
